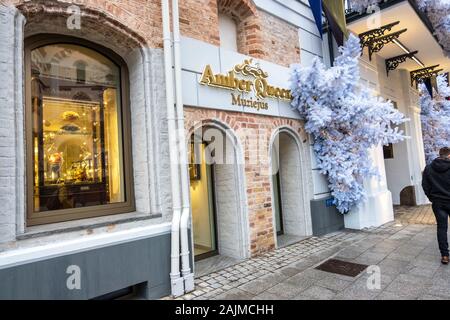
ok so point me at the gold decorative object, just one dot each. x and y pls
(55, 157)
(70, 116)
(247, 68)
(70, 127)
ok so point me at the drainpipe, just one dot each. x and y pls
(177, 285)
(187, 274)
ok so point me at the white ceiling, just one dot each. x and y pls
(418, 37)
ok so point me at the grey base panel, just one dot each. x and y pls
(144, 262)
(325, 217)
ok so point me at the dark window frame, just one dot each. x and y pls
(47, 217)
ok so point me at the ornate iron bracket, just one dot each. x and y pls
(394, 62)
(376, 44)
(424, 73)
(368, 36)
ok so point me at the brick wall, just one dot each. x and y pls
(248, 129)
(260, 34)
(281, 40)
(142, 19)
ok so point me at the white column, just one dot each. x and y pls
(12, 166)
(416, 153)
(377, 209)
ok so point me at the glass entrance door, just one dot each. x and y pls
(202, 204)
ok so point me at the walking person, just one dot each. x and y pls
(436, 184)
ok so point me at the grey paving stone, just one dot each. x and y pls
(389, 263)
(404, 283)
(319, 293)
(430, 297)
(386, 295)
(440, 287)
(234, 294)
(370, 258)
(356, 292)
(301, 281)
(256, 286)
(402, 256)
(290, 271)
(334, 283)
(424, 271)
(285, 290)
(266, 296)
(348, 254)
(315, 274)
(415, 279)
(303, 297)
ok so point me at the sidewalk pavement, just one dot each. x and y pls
(405, 251)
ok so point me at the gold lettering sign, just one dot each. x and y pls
(258, 84)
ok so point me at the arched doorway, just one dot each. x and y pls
(218, 219)
(291, 215)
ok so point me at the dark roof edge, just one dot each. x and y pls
(384, 5)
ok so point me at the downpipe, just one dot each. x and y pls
(188, 275)
(177, 283)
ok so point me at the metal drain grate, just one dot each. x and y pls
(342, 267)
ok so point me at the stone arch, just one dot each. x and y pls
(230, 193)
(289, 155)
(249, 26)
(52, 16)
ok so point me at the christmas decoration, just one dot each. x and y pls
(435, 117)
(438, 11)
(345, 120)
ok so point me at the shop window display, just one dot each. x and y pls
(76, 128)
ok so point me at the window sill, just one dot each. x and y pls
(84, 224)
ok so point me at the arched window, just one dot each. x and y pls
(78, 148)
(228, 32)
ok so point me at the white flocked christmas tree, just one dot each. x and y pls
(345, 120)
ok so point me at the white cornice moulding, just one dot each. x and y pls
(21, 256)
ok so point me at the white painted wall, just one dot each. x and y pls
(221, 61)
(232, 222)
(377, 209)
(409, 157)
(293, 212)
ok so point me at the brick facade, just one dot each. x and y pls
(125, 26)
(260, 34)
(132, 24)
(249, 127)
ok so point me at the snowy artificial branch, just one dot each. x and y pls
(435, 117)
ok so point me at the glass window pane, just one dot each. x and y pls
(77, 128)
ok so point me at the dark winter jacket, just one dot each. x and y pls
(436, 181)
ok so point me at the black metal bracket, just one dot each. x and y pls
(377, 44)
(368, 36)
(394, 62)
(424, 73)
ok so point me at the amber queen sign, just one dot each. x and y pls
(255, 81)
